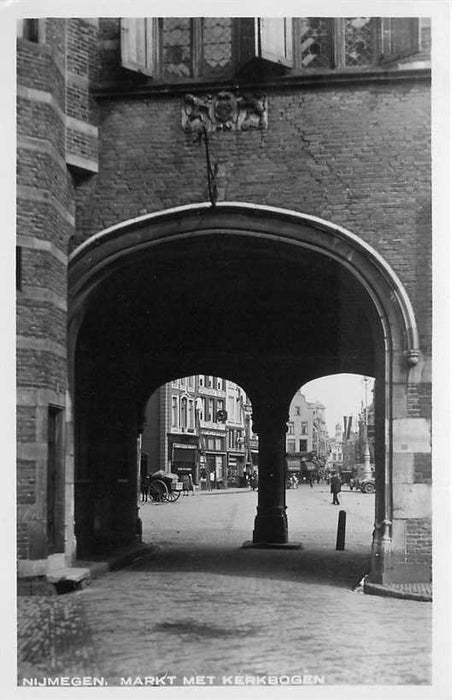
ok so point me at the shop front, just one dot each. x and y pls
(184, 461)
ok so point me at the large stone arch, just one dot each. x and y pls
(265, 238)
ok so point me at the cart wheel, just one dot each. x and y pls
(158, 490)
(171, 496)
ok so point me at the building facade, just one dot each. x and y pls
(165, 167)
(335, 453)
(198, 425)
(307, 437)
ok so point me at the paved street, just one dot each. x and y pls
(202, 606)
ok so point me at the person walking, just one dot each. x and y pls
(335, 487)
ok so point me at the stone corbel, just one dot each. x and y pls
(412, 356)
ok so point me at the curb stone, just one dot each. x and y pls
(407, 591)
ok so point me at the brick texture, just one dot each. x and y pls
(42, 320)
(82, 64)
(418, 540)
(419, 400)
(23, 541)
(26, 423)
(26, 481)
(357, 157)
(41, 370)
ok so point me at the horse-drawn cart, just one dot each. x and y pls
(161, 487)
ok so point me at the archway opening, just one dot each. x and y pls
(199, 429)
(330, 447)
(268, 303)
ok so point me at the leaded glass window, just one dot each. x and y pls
(216, 45)
(177, 47)
(182, 48)
(359, 40)
(315, 42)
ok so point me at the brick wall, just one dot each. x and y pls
(26, 423)
(81, 108)
(45, 223)
(26, 481)
(419, 400)
(357, 156)
(22, 540)
(418, 540)
(41, 369)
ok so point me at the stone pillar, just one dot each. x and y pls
(270, 525)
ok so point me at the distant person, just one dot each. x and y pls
(335, 487)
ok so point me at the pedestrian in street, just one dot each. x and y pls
(335, 488)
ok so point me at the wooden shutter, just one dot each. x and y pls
(400, 37)
(139, 44)
(266, 38)
(274, 40)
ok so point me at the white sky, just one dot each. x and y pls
(341, 394)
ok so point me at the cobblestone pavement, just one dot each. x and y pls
(202, 606)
